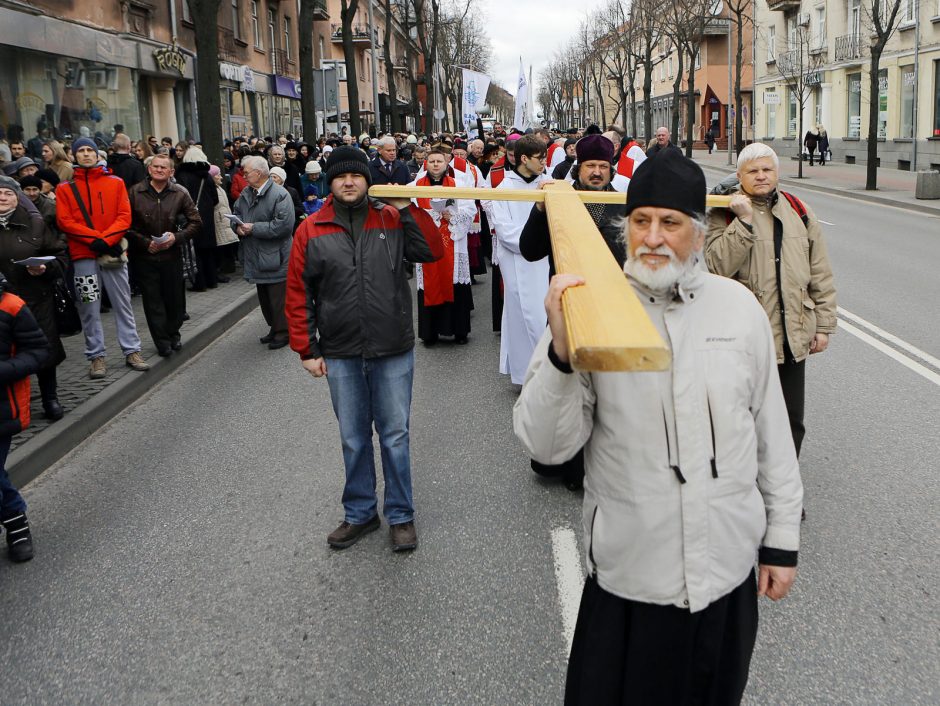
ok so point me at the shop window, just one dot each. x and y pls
(907, 102)
(770, 103)
(855, 106)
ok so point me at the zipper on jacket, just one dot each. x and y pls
(675, 468)
(591, 548)
(101, 202)
(711, 423)
(391, 262)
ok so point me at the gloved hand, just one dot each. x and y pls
(99, 246)
(116, 250)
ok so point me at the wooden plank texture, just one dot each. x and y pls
(608, 329)
(392, 191)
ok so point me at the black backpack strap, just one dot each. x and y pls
(81, 205)
(797, 206)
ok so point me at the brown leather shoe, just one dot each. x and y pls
(98, 368)
(136, 361)
(404, 537)
(348, 534)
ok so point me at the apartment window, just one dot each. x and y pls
(936, 98)
(272, 30)
(793, 33)
(907, 11)
(255, 27)
(322, 54)
(820, 27)
(855, 105)
(907, 102)
(285, 45)
(772, 44)
(236, 20)
(187, 14)
(671, 74)
(698, 58)
(855, 15)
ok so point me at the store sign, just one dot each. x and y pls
(170, 59)
(771, 98)
(813, 78)
(286, 86)
(238, 74)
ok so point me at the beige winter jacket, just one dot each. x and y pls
(809, 295)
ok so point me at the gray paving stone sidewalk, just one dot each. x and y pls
(75, 387)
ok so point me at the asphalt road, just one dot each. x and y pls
(181, 554)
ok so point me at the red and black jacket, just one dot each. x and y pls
(23, 350)
(348, 293)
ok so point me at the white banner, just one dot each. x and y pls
(521, 117)
(475, 88)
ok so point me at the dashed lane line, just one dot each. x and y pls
(568, 577)
(890, 338)
(904, 360)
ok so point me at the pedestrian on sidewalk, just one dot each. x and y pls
(94, 213)
(22, 237)
(822, 144)
(772, 243)
(810, 142)
(23, 350)
(349, 308)
(164, 217)
(710, 139)
(674, 514)
(267, 213)
(193, 175)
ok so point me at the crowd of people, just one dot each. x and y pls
(690, 476)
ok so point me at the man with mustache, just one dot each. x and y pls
(690, 473)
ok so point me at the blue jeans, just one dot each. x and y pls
(11, 502)
(367, 391)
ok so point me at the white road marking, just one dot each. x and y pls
(891, 353)
(891, 338)
(569, 578)
(825, 222)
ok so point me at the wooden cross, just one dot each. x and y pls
(608, 329)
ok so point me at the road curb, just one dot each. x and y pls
(860, 196)
(30, 459)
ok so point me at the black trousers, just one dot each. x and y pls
(627, 652)
(793, 383)
(164, 297)
(207, 274)
(271, 298)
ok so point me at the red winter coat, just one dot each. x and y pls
(105, 199)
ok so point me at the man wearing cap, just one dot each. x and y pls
(562, 167)
(19, 168)
(691, 475)
(94, 213)
(350, 316)
(386, 168)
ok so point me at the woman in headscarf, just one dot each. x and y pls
(193, 174)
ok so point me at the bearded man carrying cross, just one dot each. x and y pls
(691, 475)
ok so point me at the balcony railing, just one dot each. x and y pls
(848, 47)
(360, 34)
(788, 63)
(783, 5)
(320, 10)
(228, 50)
(279, 61)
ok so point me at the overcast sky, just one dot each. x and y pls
(532, 29)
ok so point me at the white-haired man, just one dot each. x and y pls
(771, 242)
(690, 476)
(386, 168)
(267, 214)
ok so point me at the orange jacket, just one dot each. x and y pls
(105, 199)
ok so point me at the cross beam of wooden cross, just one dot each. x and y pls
(608, 329)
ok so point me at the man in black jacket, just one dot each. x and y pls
(164, 216)
(124, 164)
(594, 171)
(386, 168)
(349, 312)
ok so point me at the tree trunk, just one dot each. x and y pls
(739, 59)
(874, 90)
(690, 108)
(308, 109)
(647, 94)
(205, 13)
(347, 14)
(676, 89)
(394, 123)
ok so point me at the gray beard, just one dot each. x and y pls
(662, 280)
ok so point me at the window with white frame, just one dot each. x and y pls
(272, 30)
(907, 9)
(255, 26)
(820, 27)
(793, 33)
(286, 44)
(236, 20)
(771, 43)
(854, 17)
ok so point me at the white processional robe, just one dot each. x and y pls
(525, 283)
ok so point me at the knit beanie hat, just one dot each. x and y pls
(31, 180)
(313, 167)
(668, 180)
(83, 142)
(9, 183)
(347, 160)
(279, 173)
(49, 175)
(594, 147)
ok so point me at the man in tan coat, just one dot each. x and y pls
(772, 243)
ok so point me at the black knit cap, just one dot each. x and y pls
(348, 160)
(668, 180)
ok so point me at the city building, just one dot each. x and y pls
(826, 42)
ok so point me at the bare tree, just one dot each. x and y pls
(390, 62)
(739, 11)
(796, 66)
(347, 15)
(884, 19)
(308, 109)
(617, 59)
(205, 13)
